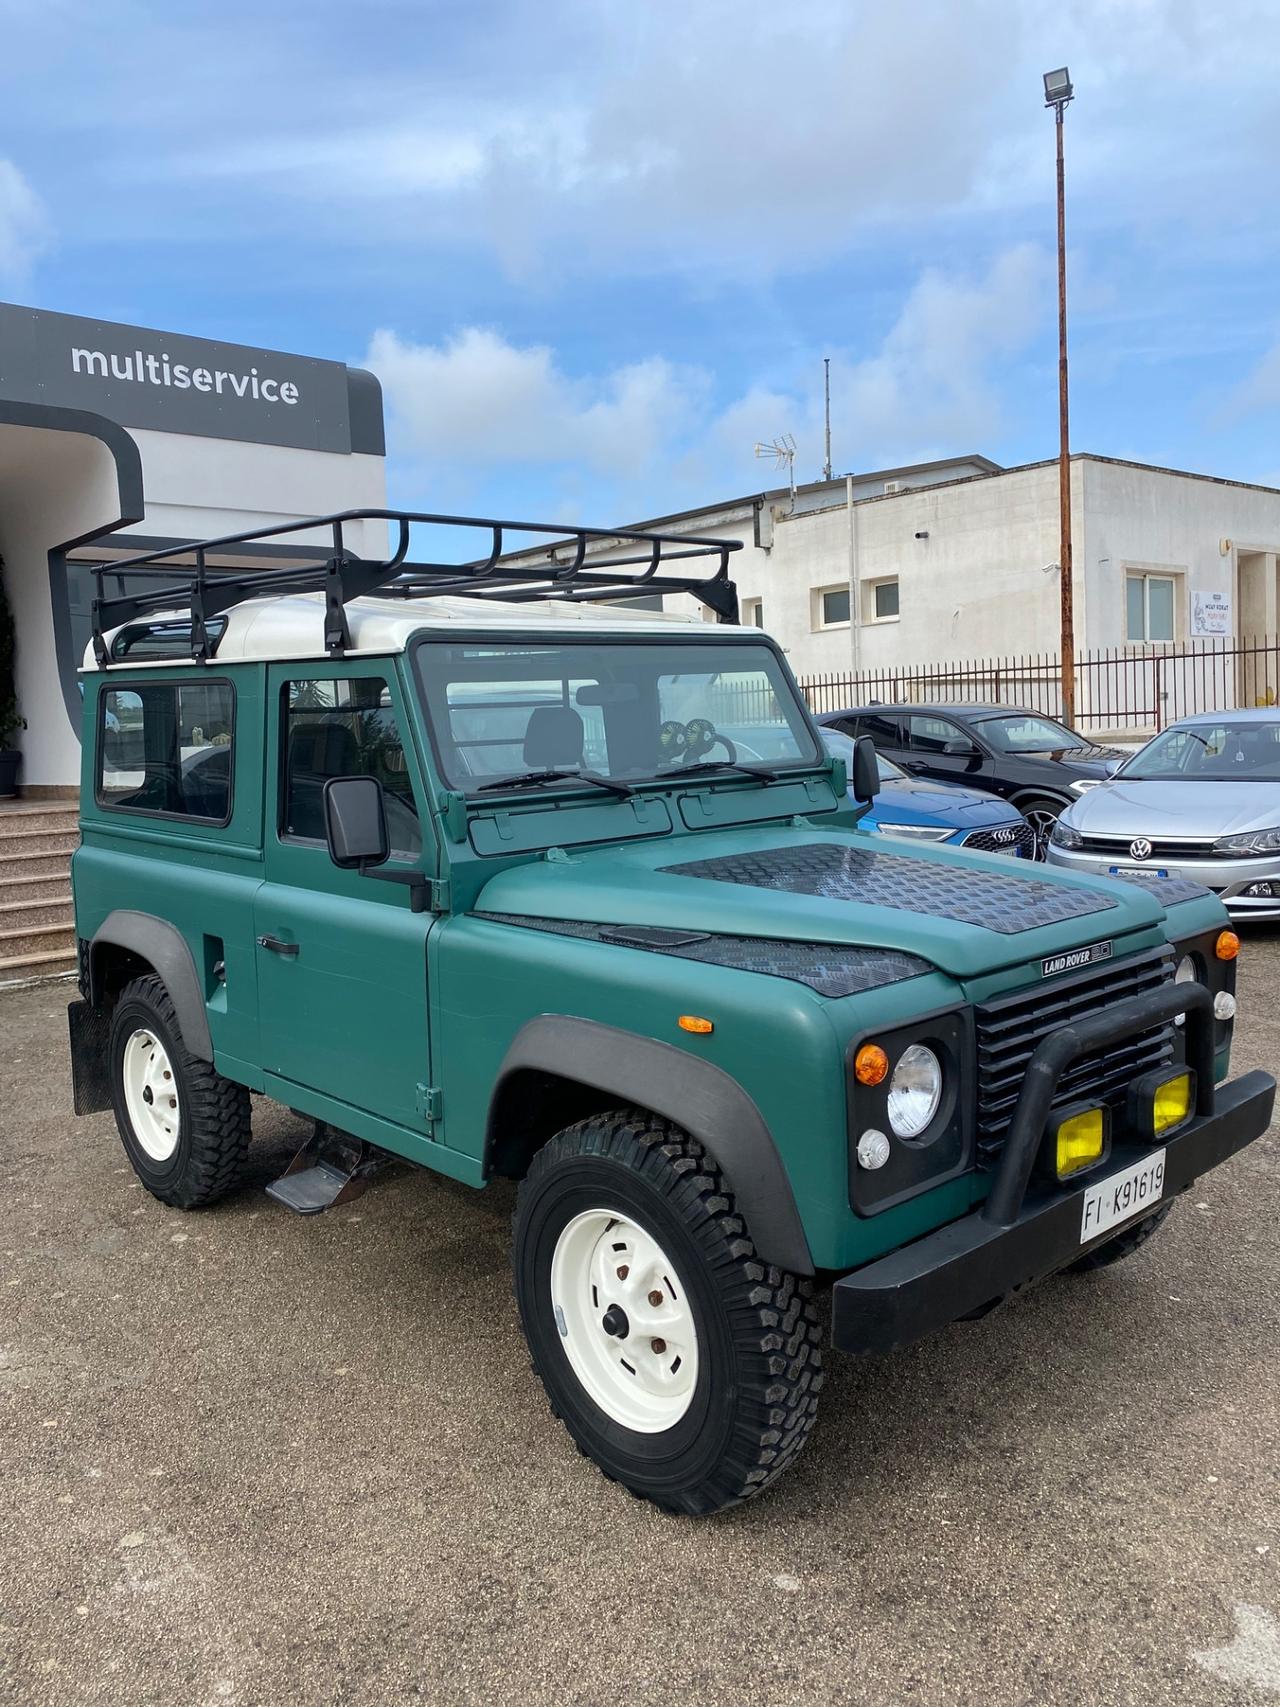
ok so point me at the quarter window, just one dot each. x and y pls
(167, 748)
(345, 728)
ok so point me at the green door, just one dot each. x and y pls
(342, 959)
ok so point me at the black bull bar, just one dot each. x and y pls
(1013, 1240)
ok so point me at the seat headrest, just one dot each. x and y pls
(554, 736)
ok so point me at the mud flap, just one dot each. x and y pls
(90, 1030)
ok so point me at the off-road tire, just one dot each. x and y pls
(214, 1115)
(759, 1339)
(1123, 1245)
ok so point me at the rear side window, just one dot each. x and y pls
(344, 728)
(167, 748)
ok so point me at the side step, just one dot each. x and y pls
(329, 1169)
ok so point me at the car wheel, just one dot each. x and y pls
(685, 1367)
(1123, 1245)
(1042, 812)
(184, 1127)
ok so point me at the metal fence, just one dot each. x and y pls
(1138, 688)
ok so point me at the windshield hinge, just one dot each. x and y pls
(441, 895)
(430, 1102)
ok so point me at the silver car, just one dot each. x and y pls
(1200, 800)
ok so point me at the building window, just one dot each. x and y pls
(1150, 602)
(831, 607)
(345, 728)
(165, 748)
(753, 613)
(884, 600)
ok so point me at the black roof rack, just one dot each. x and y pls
(628, 566)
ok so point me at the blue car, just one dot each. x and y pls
(939, 812)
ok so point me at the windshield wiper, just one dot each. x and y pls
(534, 779)
(762, 773)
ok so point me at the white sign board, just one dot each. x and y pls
(1210, 613)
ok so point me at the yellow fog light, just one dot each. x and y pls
(1082, 1138)
(1172, 1103)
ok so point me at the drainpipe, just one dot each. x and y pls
(855, 610)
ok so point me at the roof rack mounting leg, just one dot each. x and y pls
(337, 636)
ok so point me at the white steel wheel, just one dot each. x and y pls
(151, 1094)
(625, 1320)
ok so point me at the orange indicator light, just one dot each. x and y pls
(1227, 945)
(695, 1023)
(870, 1064)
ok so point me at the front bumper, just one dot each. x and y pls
(1017, 1238)
(1229, 879)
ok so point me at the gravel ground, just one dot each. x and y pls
(250, 1458)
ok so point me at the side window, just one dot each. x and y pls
(344, 728)
(932, 734)
(167, 747)
(885, 731)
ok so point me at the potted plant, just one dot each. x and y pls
(10, 722)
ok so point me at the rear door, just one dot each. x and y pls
(940, 748)
(342, 961)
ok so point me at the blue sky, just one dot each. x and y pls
(596, 251)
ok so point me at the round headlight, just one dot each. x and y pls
(915, 1090)
(1187, 973)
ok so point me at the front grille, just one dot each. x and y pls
(1117, 848)
(1010, 1027)
(1002, 838)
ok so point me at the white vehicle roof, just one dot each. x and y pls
(292, 625)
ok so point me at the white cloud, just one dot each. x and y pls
(24, 227)
(653, 433)
(476, 401)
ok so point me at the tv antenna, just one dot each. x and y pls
(826, 397)
(783, 451)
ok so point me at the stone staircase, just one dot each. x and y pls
(37, 930)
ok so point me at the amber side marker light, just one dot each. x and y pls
(1227, 945)
(695, 1023)
(870, 1064)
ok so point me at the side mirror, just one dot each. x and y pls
(960, 749)
(355, 821)
(866, 772)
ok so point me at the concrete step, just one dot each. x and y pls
(33, 840)
(39, 808)
(22, 915)
(46, 964)
(39, 939)
(31, 891)
(40, 862)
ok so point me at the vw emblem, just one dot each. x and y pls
(1141, 849)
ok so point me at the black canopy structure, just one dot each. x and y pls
(202, 576)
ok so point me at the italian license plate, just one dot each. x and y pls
(1013, 851)
(1133, 1191)
(1142, 870)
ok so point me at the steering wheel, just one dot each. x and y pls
(701, 735)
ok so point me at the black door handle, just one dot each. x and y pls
(276, 946)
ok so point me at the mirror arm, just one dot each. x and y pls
(419, 888)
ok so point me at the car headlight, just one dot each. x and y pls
(1249, 842)
(1187, 973)
(918, 832)
(1063, 836)
(915, 1090)
(1084, 784)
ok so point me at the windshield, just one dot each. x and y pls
(628, 709)
(1210, 752)
(841, 746)
(1023, 733)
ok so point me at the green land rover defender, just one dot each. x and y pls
(482, 865)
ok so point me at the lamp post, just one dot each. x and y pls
(1057, 93)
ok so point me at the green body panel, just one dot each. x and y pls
(381, 1004)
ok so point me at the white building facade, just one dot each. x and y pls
(115, 440)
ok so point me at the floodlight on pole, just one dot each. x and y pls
(782, 450)
(1057, 92)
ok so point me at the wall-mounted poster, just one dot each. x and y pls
(1210, 613)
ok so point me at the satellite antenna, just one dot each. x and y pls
(783, 451)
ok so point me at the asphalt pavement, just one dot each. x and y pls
(247, 1458)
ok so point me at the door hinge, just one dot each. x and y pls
(441, 895)
(429, 1103)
